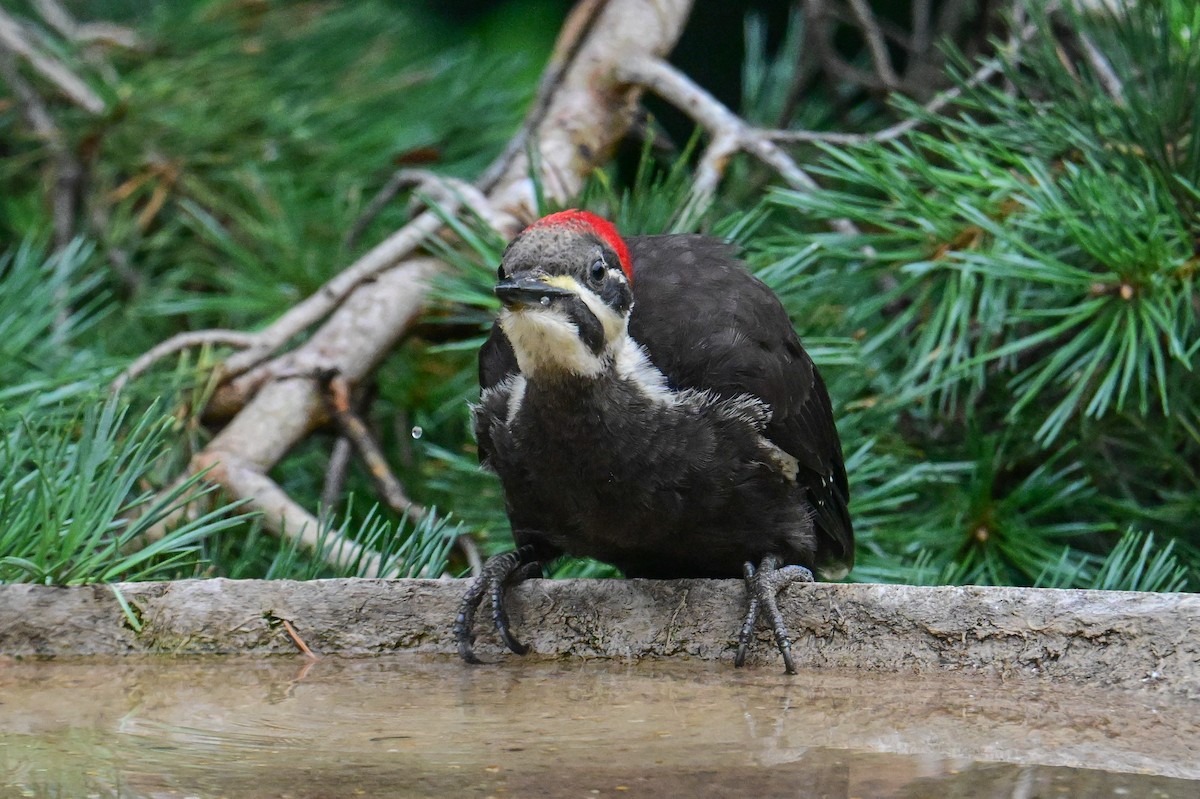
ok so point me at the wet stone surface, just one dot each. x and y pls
(429, 726)
(1109, 638)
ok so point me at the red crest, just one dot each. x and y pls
(585, 220)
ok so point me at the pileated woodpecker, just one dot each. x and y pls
(646, 402)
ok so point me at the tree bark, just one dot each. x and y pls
(370, 306)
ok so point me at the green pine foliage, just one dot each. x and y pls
(1011, 344)
(1023, 303)
(47, 305)
(76, 510)
(240, 147)
(407, 549)
(78, 470)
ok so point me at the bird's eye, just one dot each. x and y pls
(500, 272)
(598, 271)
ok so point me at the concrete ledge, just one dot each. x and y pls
(1098, 637)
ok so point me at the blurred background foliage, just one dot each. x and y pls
(1010, 343)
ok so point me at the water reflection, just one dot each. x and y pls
(411, 726)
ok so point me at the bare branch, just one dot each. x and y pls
(335, 475)
(819, 18)
(730, 133)
(107, 33)
(574, 33)
(61, 20)
(1104, 70)
(257, 347)
(308, 312)
(395, 184)
(875, 44)
(67, 172)
(920, 40)
(988, 69)
(37, 116)
(277, 414)
(183, 341)
(374, 302)
(440, 189)
(281, 514)
(890, 31)
(57, 17)
(830, 136)
(336, 392)
(12, 38)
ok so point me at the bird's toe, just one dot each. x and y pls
(763, 586)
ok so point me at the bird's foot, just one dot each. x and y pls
(499, 573)
(763, 586)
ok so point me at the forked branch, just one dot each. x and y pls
(580, 115)
(729, 133)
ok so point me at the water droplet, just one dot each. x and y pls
(417, 432)
(544, 300)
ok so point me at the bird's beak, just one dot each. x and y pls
(524, 290)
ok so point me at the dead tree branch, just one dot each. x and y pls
(988, 69)
(14, 39)
(333, 294)
(283, 515)
(257, 347)
(335, 475)
(57, 17)
(729, 132)
(336, 392)
(369, 306)
(438, 188)
(60, 19)
(875, 44)
(199, 338)
(66, 171)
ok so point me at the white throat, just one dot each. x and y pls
(545, 338)
(546, 341)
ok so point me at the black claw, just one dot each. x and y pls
(465, 619)
(468, 654)
(499, 574)
(751, 616)
(762, 587)
(500, 616)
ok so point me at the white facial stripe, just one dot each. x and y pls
(613, 323)
(546, 339)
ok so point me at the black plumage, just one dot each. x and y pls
(729, 466)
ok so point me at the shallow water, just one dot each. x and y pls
(414, 726)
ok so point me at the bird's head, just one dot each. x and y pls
(566, 283)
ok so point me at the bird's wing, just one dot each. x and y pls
(497, 361)
(707, 323)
